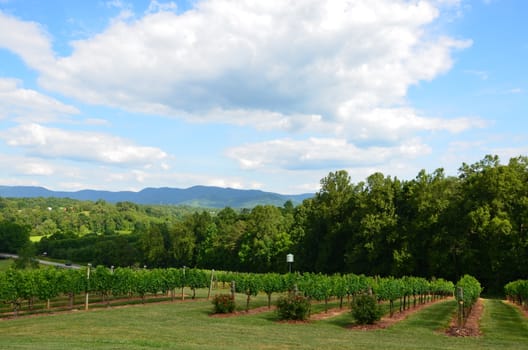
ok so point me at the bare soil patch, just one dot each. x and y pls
(328, 314)
(243, 313)
(471, 328)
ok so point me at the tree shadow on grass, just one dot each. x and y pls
(430, 318)
(433, 318)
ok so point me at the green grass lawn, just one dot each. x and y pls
(188, 325)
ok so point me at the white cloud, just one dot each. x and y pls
(96, 121)
(36, 168)
(317, 153)
(155, 6)
(262, 119)
(22, 168)
(396, 124)
(139, 179)
(28, 40)
(338, 71)
(29, 105)
(47, 142)
(285, 61)
(506, 153)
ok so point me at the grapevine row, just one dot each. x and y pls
(45, 284)
(517, 292)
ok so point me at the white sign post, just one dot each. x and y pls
(289, 260)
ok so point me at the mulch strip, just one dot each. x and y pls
(471, 328)
(385, 322)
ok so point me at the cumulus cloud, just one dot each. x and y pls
(276, 57)
(320, 153)
(29, 105)
(336, 70)
(21, 169)
(80, 146)
(397, 124)
(28, 40)
(34, 167)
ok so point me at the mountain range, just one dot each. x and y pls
(196, 196)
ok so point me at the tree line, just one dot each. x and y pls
(433, 225)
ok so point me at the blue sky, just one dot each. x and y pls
(271, 95)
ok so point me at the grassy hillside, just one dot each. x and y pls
(189, 326)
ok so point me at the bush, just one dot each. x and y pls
(223, 304)
(293, 307)
(365, 309)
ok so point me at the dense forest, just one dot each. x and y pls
(431, 226)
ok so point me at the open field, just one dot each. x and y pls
(188, 326)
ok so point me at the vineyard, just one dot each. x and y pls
(167, 322)
(517, 292)
(45, 289)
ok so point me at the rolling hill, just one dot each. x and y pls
(196, 196)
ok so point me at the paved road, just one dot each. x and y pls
(43, 262)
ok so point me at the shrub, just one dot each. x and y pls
(293, 307)
(223, 304)
(365, 309)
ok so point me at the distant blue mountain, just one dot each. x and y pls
(196, 196)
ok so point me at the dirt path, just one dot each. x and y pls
(328, 314)
(254, 311)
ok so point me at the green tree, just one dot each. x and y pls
(182, 245)
(27, 257)
(325, 233)
(493, 210)
(374, 230)
(423, 205)
(266, 242)
(13, 236)
(154, 244)
(46, 228)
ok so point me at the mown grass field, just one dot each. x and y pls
(188, 325)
